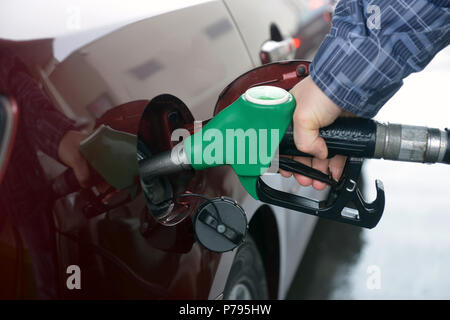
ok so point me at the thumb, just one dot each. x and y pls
(307, 140)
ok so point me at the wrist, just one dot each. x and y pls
(314, 108)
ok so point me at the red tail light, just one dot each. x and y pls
(297, 42)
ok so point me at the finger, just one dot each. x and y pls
(306, 137)
(304, 181)
(321, 165)
(102, 186)
(81, 170)
(284, 173)
(336, 165)
(308, 141)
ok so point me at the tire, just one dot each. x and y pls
(247, 278)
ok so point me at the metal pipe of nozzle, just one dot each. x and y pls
(412, 143)
(165, 163)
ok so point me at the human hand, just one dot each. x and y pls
(314, 110)
(69, 154)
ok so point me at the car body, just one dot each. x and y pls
(104, 64)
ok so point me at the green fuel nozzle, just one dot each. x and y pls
(247, 134)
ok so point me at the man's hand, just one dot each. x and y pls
(69, 154)
(314, 110)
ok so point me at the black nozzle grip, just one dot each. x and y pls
(353, 137)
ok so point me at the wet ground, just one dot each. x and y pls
(407, 256)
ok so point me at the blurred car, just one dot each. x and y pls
(78, 67)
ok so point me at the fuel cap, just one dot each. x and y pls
(267, 95)
(220, 224)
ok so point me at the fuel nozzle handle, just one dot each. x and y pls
(353, 137)
(367, 138)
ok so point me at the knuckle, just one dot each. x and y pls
(302, 146)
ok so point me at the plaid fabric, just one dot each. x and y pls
(360, 66)
(41, 127)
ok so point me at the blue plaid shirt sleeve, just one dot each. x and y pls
(373, 45)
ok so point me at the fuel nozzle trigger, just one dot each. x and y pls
(343, 193)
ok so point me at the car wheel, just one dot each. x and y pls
(247, 279)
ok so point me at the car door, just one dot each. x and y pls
(263, 20)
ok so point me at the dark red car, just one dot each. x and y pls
(68, 70)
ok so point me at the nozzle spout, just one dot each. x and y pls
(168, 162)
